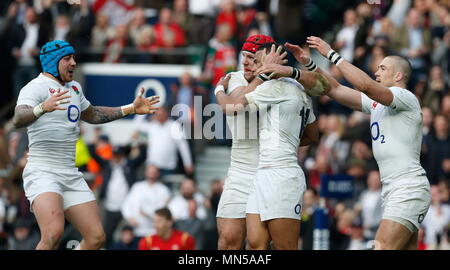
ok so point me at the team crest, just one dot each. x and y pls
(374, 104)
(52, 91)
(75, 89)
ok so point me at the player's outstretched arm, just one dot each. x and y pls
(237, 102)
(358, 78)
(100, 114)
(25, 115)
(342, 94)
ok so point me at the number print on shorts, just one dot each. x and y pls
(377, 130)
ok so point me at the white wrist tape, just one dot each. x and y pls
(311, 66)
(334, 57)
(38, 110)
(218, 89)
(127, 109)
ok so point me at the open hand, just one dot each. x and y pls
(299, 53)
(274, 56)
(317, 43)
(55, 100)
(143, 105)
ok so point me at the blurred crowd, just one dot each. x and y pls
(135, 181)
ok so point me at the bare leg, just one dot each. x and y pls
(413, 242)
(284, 233)
(48, 209)
(86, 219)
(231, 233)
(392, 235)
(257, 233)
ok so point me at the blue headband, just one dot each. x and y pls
(51, 53)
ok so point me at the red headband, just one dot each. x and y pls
(252, 43)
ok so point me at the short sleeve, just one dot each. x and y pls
(366, 103)
(84, 103)
(403, 100)
(261, 95)
(32, 94)
(237, 80)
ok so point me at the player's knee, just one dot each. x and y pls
(256, 244)
(52, 237)
(230, 240)
(96, 240)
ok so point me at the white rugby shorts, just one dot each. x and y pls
(406, 200)
(67, 182)
(278, 193)
(237, 187)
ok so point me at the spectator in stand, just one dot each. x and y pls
(345, 39)
(202, 27)
(102, 32)
(436, 89)
(227, 15)
(441, 54)
(127, 240)
(26, 39)
(137, 24)
(357, 240)
(23, 238)
(120, 11)
(310, 204)
(166, 238)
(221, 56)
(413, 41)
(165, 137)
(62, 27)
(118, 177)
(179, 204)
(82, 19)
(436, 148)
(168, 33)
(436, 220)
(182, 17)
(114, 49)
(193, 225)
(428, 116)
(144, 198)
(370, 205)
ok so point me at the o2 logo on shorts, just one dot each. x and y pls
(73, 113)
(421, 217)
(298, 209)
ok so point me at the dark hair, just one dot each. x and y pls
(268, 46)
(164, 212)
(404, 65)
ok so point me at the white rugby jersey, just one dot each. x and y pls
(396, 134)
(284, 110)
(53, 136)
(244, 131)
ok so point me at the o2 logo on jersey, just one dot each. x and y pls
(73, 113)
(376, 134)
